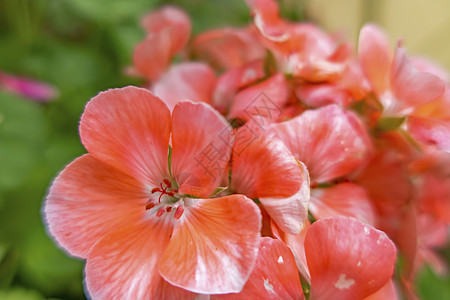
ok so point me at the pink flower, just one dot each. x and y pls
(39, 91)
(143, 222)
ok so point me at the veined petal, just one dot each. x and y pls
(89, 199)
(275, 275)
(345, 199)
(410, 86)
(129, 129)
(201, 140)
(186, 81)
(290, 213)
(375, 57)
(262, 166)
(430, 131)
(124, 264)
(347, 259)
(214, 246)
(331, 142)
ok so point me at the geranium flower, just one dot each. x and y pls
(144, 223)
(30, 88)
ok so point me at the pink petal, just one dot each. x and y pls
(345, 199)
(317, 95)
(124, 264)
(410, 86)
(37, 90)
(275, 275)
(170, 21)
(267, 20)
(430, 131)
(388, 291)
(201, 140)
(347, 259)
(129, 129)
(290, 213)
(296, 243)
(185, 81)
(87, 200)
(262, 102)
(151, 56)
(214, 246)
(330, 141)
(229, 48)
(263, 167)
(231, 81)
(375, 57)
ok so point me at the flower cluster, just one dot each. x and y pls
(272, 162)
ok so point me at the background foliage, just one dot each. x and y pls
(82, 47)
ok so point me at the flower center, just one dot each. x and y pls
(166, 204)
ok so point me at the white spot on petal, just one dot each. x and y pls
(359, 263)
(344, 283)
(366, 230)
(280, 259)
(268, 286)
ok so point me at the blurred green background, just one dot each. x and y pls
(81, 47)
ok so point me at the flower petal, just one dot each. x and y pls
(290, 213)
(170, 21)
(330, 141)
(129, 129)
(345, 199)
(229, 48)
(123, 265)
(430, 131)
(214, 246)
(87, 200)
(410, 86)
(151, 56)
(388, 291)
(347, 259)
(375, 57)
(262, 166)
(275, 275)
(185, 81)
(264, 100)
(201, 140)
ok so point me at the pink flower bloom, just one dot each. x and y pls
(168, 31)
(229, 48)
(330, 141)
(400, 86)
(39, 91)
(300, 49)
(136, 220)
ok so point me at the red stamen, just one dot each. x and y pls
(168, 183)
(179, 212)
(155, 189)
(168, 208)
(149, 205)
